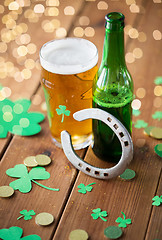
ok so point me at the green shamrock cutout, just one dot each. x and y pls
(136, 112)
(23, 184)
(97, 213)
(26, 214)
(140, 124)
(62, 110)
(123, 222)
(84, 189)
(15, 233)
(158, 80)
(158, 149)
(15, 119)
(157, 115)
(157, 200)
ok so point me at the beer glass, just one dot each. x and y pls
(68, 68)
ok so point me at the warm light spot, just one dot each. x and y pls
(32, 48)
(158, 102)
(157, 1)
(24, 27)
(127, 28)
(36, 99)
(25, 38)
(22, 51)
(9, 66)
(129, 2)
(17, 30)
(158, 91)
(48, 26)
(29, 63)
(137, 53)
(14, 15)
(21, 3)
(61, 32)
(3, 47)
(6, 92)
(1, 9)
(51, 11)
(5, 18)
(102, 5)
(21, 60)
(55, 23)
(38, 65)
(13, 6)
(157, 35)
(89, 32)
(69, 10)
(133, 33)
(7, 2)
(84, 21)
(141, 92)
(15, 53)
(3, 74)
(18, 77)
(129, 57)
(142, 37)
(134, 8)
(140, 142)
(136, 104)
(26, 73)
(78, 32)
(44, 106)
(39, 8)
(52, 3)
(10, 24)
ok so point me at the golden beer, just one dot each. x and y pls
(68, 69)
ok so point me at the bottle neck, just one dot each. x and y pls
(113, 50)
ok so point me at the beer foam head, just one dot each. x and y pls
(68, 56)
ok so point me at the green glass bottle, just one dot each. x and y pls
(112, 89)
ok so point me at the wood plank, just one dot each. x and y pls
(134, 198)
(39, 199)
(154, 227)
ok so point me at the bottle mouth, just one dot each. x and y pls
(114, 21)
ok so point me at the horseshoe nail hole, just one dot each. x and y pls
(106, 174)
(126, 143)
(121, 134)
(115, 126)
(109, 119)
(88, 169)
(97, 173)
(80, 165)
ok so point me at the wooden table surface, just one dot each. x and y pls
(71, 209)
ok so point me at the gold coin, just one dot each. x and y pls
(78, 234)
(156, 133)
(147, 130)
(44, 219)
(6, 191)
(30, 161)
(42, 160)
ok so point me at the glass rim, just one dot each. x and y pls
(55, 68)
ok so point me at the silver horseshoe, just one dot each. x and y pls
(120, 131)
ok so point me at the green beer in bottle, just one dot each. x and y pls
(112, 89)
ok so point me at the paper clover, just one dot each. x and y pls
(157, 115)
(140, 124)
(84, 189)
(97, 213)
(157, 201)
(23, 184)
(123, 221)
(15, 118)
(27, 215)
(15, 233)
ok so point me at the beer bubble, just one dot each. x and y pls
(102, 5)
(69, 10)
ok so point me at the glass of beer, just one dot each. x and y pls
(68, 68)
